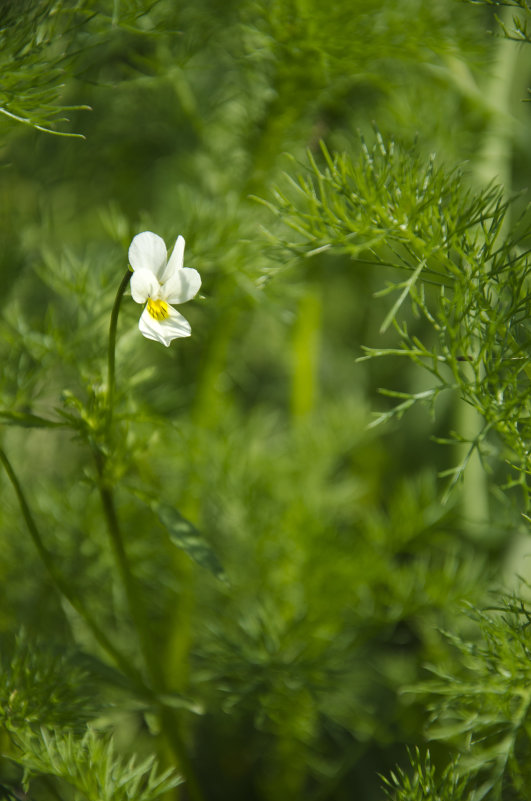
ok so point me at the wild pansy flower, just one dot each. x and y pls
(158, 281)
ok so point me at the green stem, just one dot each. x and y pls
(111, 360)
(492, 163)
(61, 584)
(306, 337)
(134, 599)
(150, 654)
(171, 727)
(133, 596)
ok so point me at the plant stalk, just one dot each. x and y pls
(111, 353)
(59, 582)
(492, 163)
(152, 657)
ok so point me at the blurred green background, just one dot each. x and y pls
(342, 563)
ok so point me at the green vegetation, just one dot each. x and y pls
(286, 557)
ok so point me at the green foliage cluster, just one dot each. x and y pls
(40, 687)
(517, 30)
(468, 280)
(90, 766)
(220, 565)
(46, 704)
(33, 61)
(41, 41)
(486, 705)
(481, 706)
(424, 784)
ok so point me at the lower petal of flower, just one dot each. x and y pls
(166, 330)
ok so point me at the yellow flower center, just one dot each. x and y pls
(158, 309)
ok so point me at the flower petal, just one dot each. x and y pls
(144, 285)
(176, 259)
(147, 251)
(181, 286)
(164, 331)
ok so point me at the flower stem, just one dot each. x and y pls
(134, 600)
(111, 380)
(133, 596)
(150, 654)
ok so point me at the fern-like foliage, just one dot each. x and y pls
(44, 43)
(480, 706)
(520, 28)
(483, 706)
(33, 47)
(90, 767)
(42, 687)
(46, 702)
(466, 276)
(424, 783)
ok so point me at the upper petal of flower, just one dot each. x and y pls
(176, 259)
(164, 331)
(181, 286)
(144, 285)
(147, 251)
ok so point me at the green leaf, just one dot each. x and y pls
(26, 420)
(179, 701)
(186, 536)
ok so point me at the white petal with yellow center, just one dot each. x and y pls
(165, 330)
(157, 284)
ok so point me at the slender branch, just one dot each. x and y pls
(168, 720)
(60, 584)
(27, 121)
(171, 727)
(134, 598)
(107, 501)
(151, 654)
(111, 380)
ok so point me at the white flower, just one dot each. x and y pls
(158, 282)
